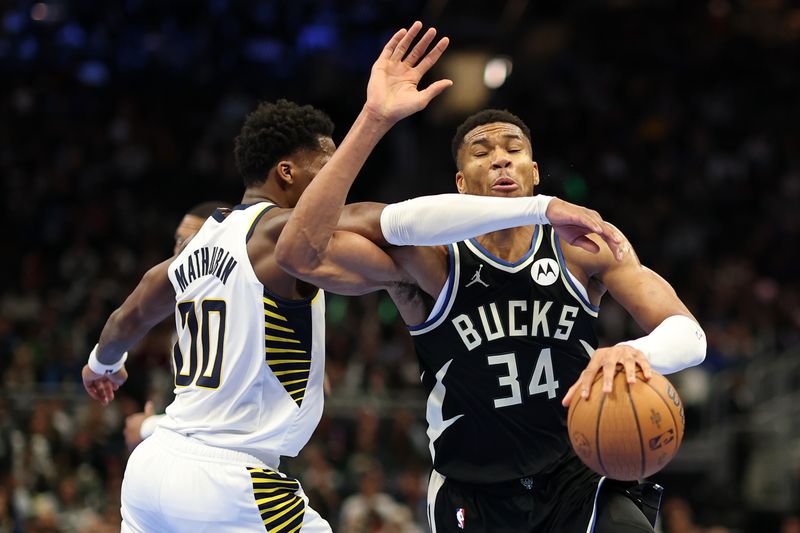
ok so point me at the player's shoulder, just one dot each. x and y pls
(271, 222)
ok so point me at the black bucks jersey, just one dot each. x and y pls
(502, 347)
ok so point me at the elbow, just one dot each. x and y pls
(290, 261)
(702, 347)
(284, 257)
(695, 347)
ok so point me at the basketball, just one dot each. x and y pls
(631, 433)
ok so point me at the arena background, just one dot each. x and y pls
(677, 120)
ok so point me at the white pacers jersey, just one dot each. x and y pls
(248, 364)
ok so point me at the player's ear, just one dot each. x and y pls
(284, 170)
(535, 173)
(460, 185)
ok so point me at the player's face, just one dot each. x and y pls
(496, 160)
(186, 229)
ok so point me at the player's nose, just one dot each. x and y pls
(500, 158)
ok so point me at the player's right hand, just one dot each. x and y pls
(101, 387)
(133, 425)
(605, 361)
(572, 223)
(392, 92)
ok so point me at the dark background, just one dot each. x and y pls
(677, 120)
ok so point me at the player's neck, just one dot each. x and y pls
(257, 195)
(508, 244)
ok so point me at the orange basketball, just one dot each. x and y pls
(631, 433)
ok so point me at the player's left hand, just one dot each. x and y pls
(101, 387)
(605, 360)
(572, 223)
(392, 92)
(133, 425)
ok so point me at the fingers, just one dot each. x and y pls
(402, 47)
(421, 47)
(388, 50)
(582, 241)
(615, 241)
(570, 394)
(433, 56)
(609, 369)
(435, 89)
(100, 390)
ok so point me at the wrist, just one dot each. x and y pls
(374, 116)
(541, 203)
(102, 368)
(546, 203)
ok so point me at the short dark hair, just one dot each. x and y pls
(205, 209)
(275, 130)
(487, 116)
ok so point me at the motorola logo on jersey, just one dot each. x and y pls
(545, 271)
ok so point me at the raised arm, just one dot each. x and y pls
(150, 303)
(392, 94)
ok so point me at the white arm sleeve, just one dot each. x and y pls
(149, 425)
(677, 343)
(447, 218)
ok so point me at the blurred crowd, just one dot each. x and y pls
(677, 120)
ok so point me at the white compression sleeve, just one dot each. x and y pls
(447, 218)
(677, 343)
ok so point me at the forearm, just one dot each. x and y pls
(446, 218)
(316, 215)
(119, 334)
(677, 343)
(151, 302)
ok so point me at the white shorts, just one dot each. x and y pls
(176, 484)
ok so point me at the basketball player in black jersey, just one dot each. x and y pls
(503, 325)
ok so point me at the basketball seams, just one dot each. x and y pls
(597, 434)
(638, 429)
(671, 414)
(605, 446)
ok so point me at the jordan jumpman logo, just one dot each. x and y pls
(476, 278)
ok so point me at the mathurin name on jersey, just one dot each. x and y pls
(205, 262)
(514, 323)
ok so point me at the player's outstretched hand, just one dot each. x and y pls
(101, 387)
(572, 223)
(392, 92)
(605, 360)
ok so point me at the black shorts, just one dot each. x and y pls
(572, 499)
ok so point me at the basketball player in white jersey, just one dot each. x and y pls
(248, 362)
(141, 425)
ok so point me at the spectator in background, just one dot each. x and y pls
(371, 510)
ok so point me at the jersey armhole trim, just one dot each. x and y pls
(288, 303)
(579, 292)
(451, 287)
(255, 220)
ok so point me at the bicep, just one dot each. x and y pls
(363, 218)
(153, 299)
(352, 264)
(648, 297)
